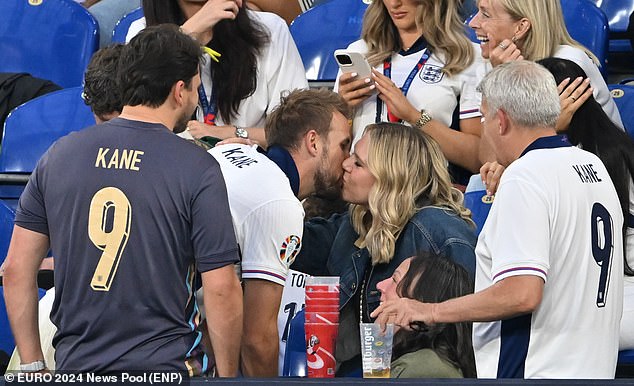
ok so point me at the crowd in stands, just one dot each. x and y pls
(193, 244)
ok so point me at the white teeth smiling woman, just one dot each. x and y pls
(535, 29)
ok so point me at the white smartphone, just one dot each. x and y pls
(350, 61)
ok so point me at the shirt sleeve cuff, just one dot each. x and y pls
(519, 271)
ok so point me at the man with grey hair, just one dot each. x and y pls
(549, 258)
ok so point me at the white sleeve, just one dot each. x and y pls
(520, 240)
(135, 27)
(470, 98)
(284, 70)
(272, 237)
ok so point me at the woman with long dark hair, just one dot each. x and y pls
(443, 350)
(258, 62)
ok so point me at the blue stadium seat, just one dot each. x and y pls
(625, 364)
(123, 25)
(477, 201)
(31, 128)
(295, 355)
(7, 343)
(469, 7)
(7, 214)
(50, 39)
(321, 30)
(588, 25)
(623, 95)
(618, 13)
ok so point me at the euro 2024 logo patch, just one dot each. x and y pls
(431, 74)
(290, 249)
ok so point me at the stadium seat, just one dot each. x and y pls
(7, 214)
(7, 343)
(477, 201)
(123, 25)
(588, 25)
(295, 356)
(625, 364)
(321, 30)
(31, 128)
(623, 95)
(50, 39)
(618, 13)
(469, 8)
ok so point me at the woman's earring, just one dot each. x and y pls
(514, 39)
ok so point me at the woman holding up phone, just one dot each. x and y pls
(425, 69)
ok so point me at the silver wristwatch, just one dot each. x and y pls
(242, 132)
(33, 366)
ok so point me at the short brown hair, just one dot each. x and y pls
(301, 111)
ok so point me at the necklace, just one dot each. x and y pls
(362, 294)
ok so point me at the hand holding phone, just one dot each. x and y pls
(350, 61)
(354, 90)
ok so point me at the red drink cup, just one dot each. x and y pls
(320, 349)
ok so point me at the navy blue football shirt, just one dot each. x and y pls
(132, 212)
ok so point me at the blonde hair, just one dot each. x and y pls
(410, 172)
(548, 29)
(441, 26)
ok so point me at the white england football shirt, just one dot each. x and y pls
(267, 217)
(557, 216)
(430, 89)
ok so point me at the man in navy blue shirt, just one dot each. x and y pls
(135, 218)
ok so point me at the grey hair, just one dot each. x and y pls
(525, 90)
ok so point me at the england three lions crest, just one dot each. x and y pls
(431, 74)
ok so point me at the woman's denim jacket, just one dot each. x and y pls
(328, 250)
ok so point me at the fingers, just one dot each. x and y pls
(230, 9)
(572, 86)
(505, 44)
(516, 54)
(575, 93)
(580, 91)
(385, 85)
(355, 90)
(491, 172)
(196, 129)
(562, 86)
(377, 311)
(223, 9)
(581, 99)
(243, 141)
(383, 81)
(504, 52)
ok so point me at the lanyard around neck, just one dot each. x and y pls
(210, 107)
(387, 71)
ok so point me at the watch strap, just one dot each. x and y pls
(32, 367)
(241, 132)
(423, 120)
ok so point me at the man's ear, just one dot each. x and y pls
(312, 142)
(503, 122)
(177, 93)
